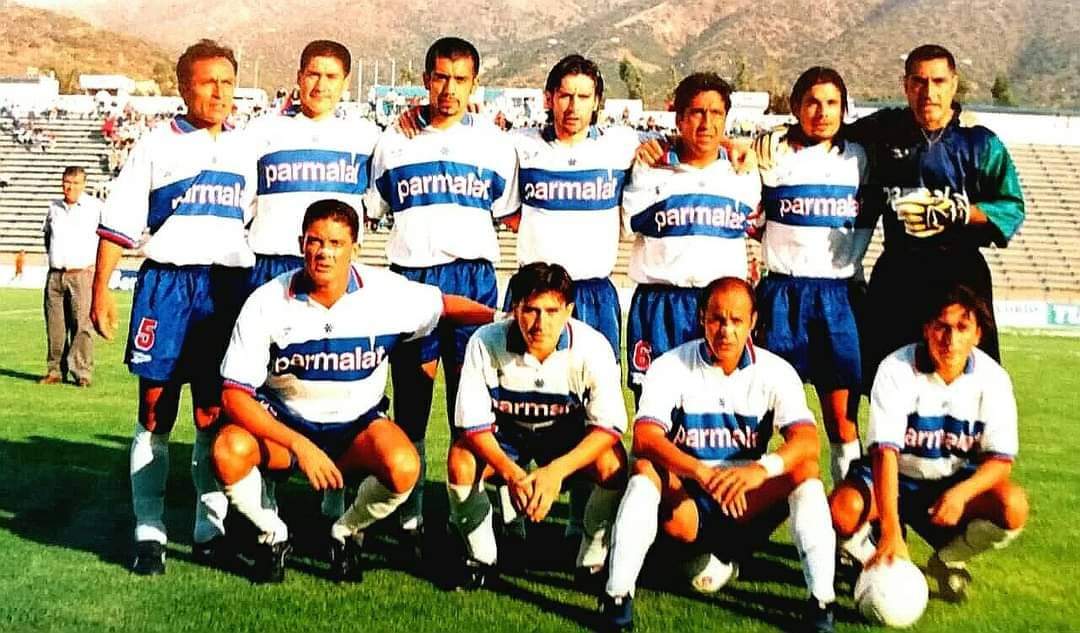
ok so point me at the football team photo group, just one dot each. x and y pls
(304, 363)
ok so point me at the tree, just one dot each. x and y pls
(742, 76)
(1001, 92)
(407, 76)
(963, 89)
(631, 76)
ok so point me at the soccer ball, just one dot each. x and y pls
(894, 595)
(708, 575)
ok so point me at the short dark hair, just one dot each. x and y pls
(74, 170)
(814, 76)
(693, 85)
(926, 52)
(326, 48)
(203, 49)
(451, 48)
(538, 278)
(330, 209)
(723, 284)
(945, 295)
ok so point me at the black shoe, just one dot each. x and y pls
(346, 560)
(616, 614)
(473, 575)
(212, 553)
(819, 616)
(269, 562)
(149, 558)
(590, 580)
(952, 581)
(412, 543)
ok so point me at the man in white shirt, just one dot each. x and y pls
(71, 242)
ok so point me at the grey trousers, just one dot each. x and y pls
(67, 323)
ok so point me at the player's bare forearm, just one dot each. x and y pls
(465, 311)
(800, 444)
(108, 255)
(651, 443)
(487, 448)
(243, 410)
(886, 473)
(588, 450)
(990, 473)
(977, 215)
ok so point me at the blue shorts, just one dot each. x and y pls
(596, 303)
(474, 279)
(524, 445)
(181, 319)
(811, 324)
(332, 438)
(661, 318)
(726, 537)
(916, 498)
(268, 267)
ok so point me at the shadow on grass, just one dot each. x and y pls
(20, 375)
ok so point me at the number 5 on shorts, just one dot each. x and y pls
(144, 336)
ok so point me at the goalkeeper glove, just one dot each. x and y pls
(925, 215)
(771, 146)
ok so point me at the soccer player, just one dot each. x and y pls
(708, 410)
(445, 187)
(813, 244)
(690, 217)
(539, 387)
(942, 441)
(189, 185)
(304, 378)
(306, 156)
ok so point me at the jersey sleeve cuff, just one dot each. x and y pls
(473, 430)
(1000, 457)
(650, 420)
(228, 383)
(885, 446)
(607, 429)
(795, 423)
(115, 237)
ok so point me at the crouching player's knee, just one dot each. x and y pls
(235, 452)
(848, 509)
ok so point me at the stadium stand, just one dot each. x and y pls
(1042, 262)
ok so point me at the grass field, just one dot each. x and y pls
(65, 530)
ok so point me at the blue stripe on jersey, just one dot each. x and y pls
(693, 214)
(833, 206)
(313, 170)
(337, 359)
(585, 190)
(533, 406)
(216, 193)
(936, 436)
(440, 182)
(721, 435)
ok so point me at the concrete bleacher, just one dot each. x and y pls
(1040, 263)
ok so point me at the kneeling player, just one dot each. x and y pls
(542, 387)
(707, 412)
(304, 379)
(942, 437)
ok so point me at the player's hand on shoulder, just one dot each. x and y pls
(770, 146)
(741, 155)
(410, 122)
(653, 152)
(103, 314)
(889, 548)
(320, 470)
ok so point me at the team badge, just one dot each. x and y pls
(539, 382)
(329, 328)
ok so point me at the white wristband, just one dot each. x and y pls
(772, 463)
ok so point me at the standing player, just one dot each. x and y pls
(707, 412)
(691, 219)
(942, 440)
(304, 157)
(445, 187)
(541, 387)
(813, 246)
(304, 377)
(189, 184)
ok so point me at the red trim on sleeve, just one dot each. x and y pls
(479, 429)
(1000, 457)
(615, 432)
(648, 420)
(235, 384)
(115, 237)
(885, 446)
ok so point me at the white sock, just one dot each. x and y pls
(333, 503)
(633, 534)
(840, 458)
(979, 536)
(374, 501)
(815, 540)
(859, 545)
(149, 464)
(480, 542)
(211, 504)
(247, 496)
(599, 515)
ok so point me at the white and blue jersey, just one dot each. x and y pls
(326, 365)
(502, 385)
(570, 198)
(444, 188)
(192, 193)
(811, 202)
(941, 429)
(718, 418)
(301, 161)
(690, 223)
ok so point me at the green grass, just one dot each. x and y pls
(65, 529)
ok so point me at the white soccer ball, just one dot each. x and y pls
(708, 574)
(894, 595)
